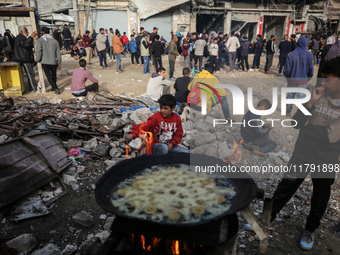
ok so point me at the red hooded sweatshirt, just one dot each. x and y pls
(164, 130)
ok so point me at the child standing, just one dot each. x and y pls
(166, 128)
(133, 50)
(213, 51)
(256, 135)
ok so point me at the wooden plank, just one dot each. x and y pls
(10, 2)
(249, 217)
(41, 85)
(267, 210)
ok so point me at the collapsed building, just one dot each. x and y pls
(250, 17)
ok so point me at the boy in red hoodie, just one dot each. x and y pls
(165, 126)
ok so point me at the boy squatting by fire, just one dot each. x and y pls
(255, 134)
(318, 145)
(165, 126)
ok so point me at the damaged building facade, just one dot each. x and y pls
(248, 17)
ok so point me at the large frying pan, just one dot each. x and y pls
(245, 186)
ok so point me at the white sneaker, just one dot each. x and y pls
(251, 70)
(111, 60)
(256, 70)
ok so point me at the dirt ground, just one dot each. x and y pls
(58, 227)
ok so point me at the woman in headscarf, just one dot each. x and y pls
(329, 44)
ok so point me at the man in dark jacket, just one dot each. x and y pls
(67, 37)
(57, 36)
(23, 53)
(293, 41)
(244, 52)
(157, 50)
(191, 49)
(285, 47)
(181, 86)
(258, 48)
(299, 69)
(270, 47)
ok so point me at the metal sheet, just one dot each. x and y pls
(29, 163)
(162, 21)
(48, 6)
(107, 19)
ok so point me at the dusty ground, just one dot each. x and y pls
(58, 228)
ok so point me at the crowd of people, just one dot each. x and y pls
(318, 141)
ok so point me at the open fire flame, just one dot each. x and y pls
(236, 157)
(156, 242)
(146, 139)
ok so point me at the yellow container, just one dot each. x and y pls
(11, 79)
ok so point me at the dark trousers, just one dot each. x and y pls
(134, 56)
(200, 62)
(214, 62)
(158, 62)
(244, 58)
(282, 60)
(269, 62)
(291, 182)
(67, 44)
(93, 87)
(30, 75)
(256, 61)
(172, 68)
(102, 57)
(51, 75)
(192, 57)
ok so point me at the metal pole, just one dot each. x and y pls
(76, 17)
(87, 14)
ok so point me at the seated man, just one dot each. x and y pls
(166, 128)
(79, 77)
(181, 86)
(158, 85)
(256, 135)
(204, 80)
(75, 53)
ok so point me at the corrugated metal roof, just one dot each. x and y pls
(28, 163)
(58, 17)
(47, 6)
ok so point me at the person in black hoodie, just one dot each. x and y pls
(258, 48)
(157, 50)
(23, 53)
(244, 52)
(255, 134)
(67, 37)
(270, 47)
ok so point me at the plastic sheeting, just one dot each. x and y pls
(151, 7)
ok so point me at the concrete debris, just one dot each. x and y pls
(49, 249)
(102, 236)
(68, 179)
(83, 218)
(108, 223)
(23, 243)
(69, 249)
(29, 208)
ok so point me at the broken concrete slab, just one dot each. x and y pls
(69, 249)
(68, 179)
(108, 223)
(83, 218)
(103, 149)
(23, 243)
(102, 236)
(49, 249)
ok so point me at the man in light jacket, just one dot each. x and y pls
(158, 85)
(232, 45)
(173, 53)
(199, 51)
(101, 46)
(48, 53)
